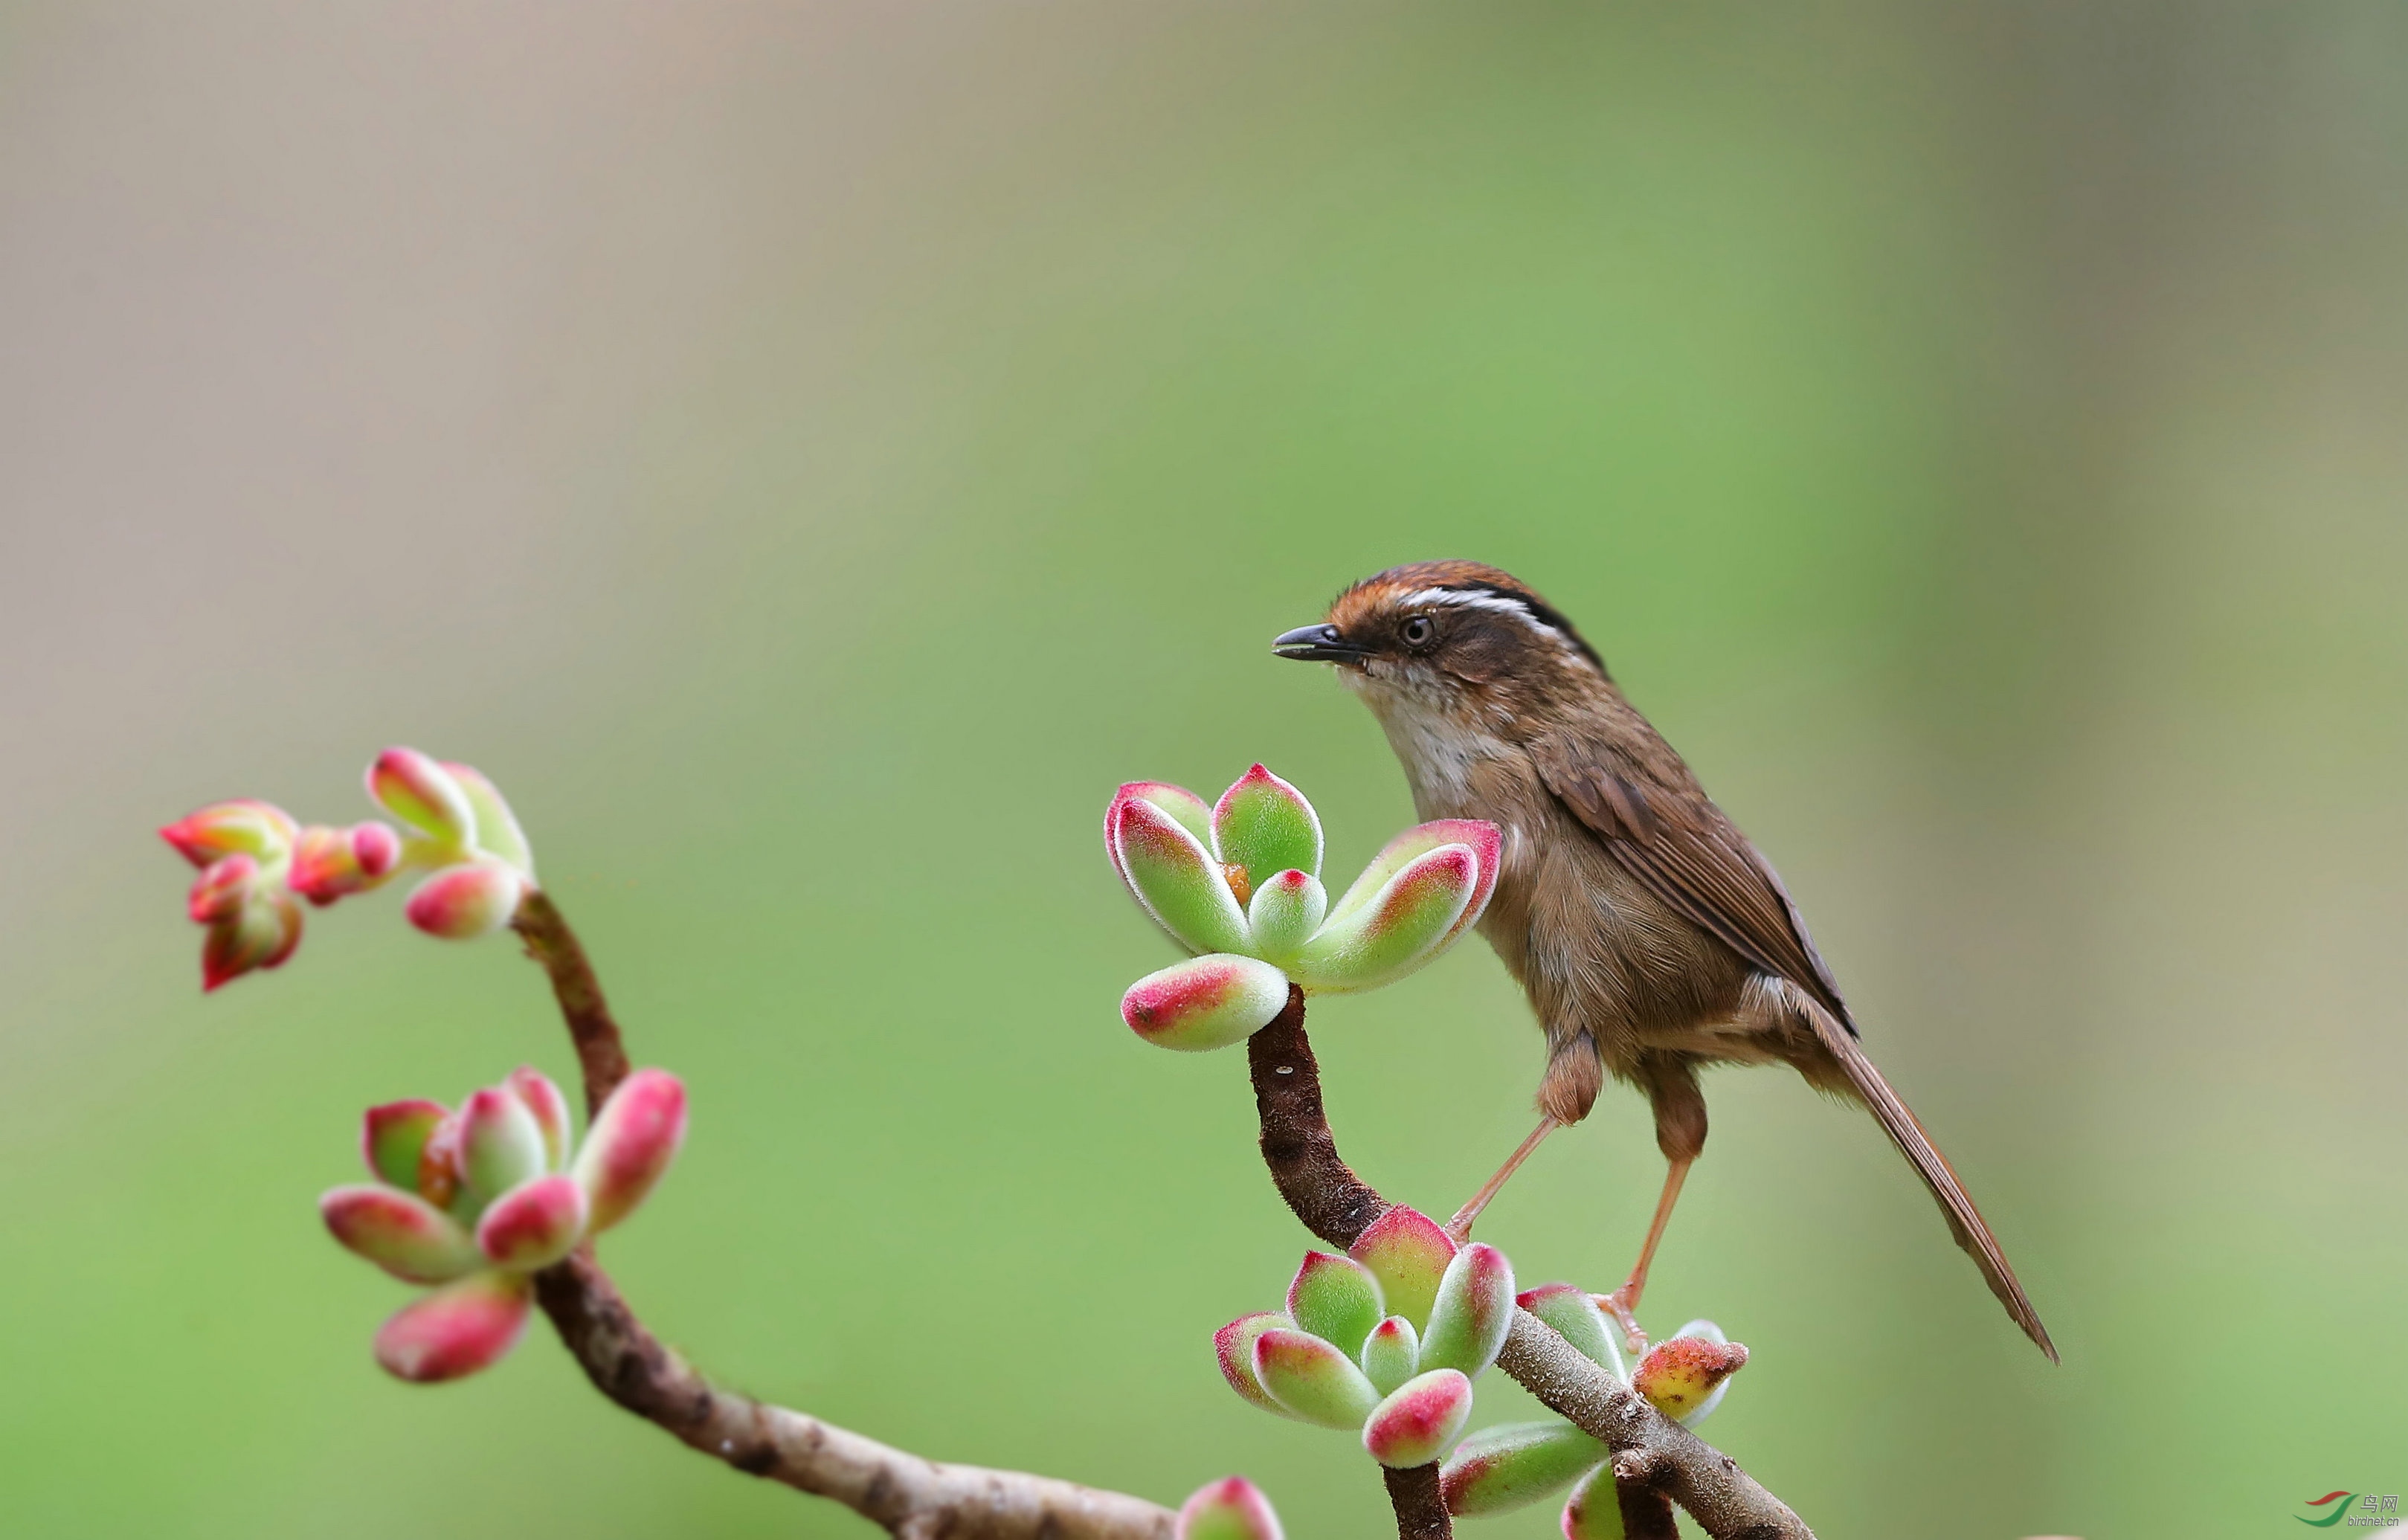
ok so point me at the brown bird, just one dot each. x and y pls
(1651, 937)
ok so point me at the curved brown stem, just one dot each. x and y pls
(913, 1498)
(601, 1055)
(1650, 1451)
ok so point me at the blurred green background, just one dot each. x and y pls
(810, 454)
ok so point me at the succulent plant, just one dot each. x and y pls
(1510, 1466)
(256, 861)
(1238, 883)
(478, 1200)
(1384, 1341)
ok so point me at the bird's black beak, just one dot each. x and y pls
(1318, 644)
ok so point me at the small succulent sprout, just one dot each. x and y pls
(1391, 1354)
(1205, 1002)
(1471, 1312)
(253, 922)
(1233, 1346)
(1594, 1511)
(1685, 1374)
(330, 864)
(457, 1329)
(1415, 1422)
(1499, 1469)
(1312, 1380)
(1241, 879)
(1231, 1509)
(1574, 1312)
(1265, 825)
(1336, 1299)
(257, 863)
(1406, 1251)
(479, 1199)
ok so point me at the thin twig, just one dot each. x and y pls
(1650, 1451)
(911, 1497)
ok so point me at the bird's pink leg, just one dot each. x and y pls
(1459, 1227)
(1623, 1304)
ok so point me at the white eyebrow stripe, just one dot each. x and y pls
(1457, 598)
(1496, 604)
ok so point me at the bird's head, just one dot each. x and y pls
(1451, 649)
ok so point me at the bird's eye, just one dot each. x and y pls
(1418, 630)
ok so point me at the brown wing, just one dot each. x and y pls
(1654, 821)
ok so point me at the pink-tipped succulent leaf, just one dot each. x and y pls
(550, 1108)
(1231, 1509)
(1408, 1252)
(1418, 1419)
(442, 1173)
(400, 1232)
(1484, 840)
(473, 899)
(1392, 1354)
(1469, 1318)
(1684, 1376)
(424, 795)
(455, 1330)
(1265, 825)
(1336, 1299)
(633, 1140)
(393, 1137)
(501, 1143)
(1404, 925)
(1175, 877)
(1284, 912)
(1233, 1346)
(1205, 1002)
(1572, 1311)
(1312, 1380)
(1188, 810)
(244, 826)
(534, 1224)
(1499, 1469)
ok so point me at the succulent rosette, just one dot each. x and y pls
(1499, 1469)
(1384, 1341)
(257, 860)
(477, 1200)
(1238, 882)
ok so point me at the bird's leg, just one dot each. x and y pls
(1458, 1229)
(1623, 1304)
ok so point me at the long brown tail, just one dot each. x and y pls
(1964, 1220)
